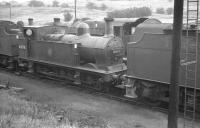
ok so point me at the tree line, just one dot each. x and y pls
(38, 3)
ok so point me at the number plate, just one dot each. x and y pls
(116, 51)
(22, 47)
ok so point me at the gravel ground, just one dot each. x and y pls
(117, 114)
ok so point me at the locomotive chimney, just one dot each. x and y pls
(108, 26)
(30, 21)
(56, 21)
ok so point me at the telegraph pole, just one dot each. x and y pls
(10, 11)
(75, 9)
(175, 64)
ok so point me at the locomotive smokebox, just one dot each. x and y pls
(30, 21)
(56, 21)
(108, 27)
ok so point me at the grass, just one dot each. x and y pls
(18, 112)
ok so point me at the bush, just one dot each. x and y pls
(5, 4)
(169, 11)
(85, 18)
(35, 3)
(67, 16)
(64, 5)
(160, 10)
(91, 6)
(13, 3)
(55, 3)
(130, 13)
(103, 7)
(18, 5)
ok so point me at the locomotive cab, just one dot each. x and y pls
(51, 31)
(8, 43)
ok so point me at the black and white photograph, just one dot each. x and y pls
(99, 63)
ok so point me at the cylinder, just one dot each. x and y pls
(108, 26)
(30, 21)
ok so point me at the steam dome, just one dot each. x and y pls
(82, 29)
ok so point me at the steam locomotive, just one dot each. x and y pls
(97, 61)
(81, 58)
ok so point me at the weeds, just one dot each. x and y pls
(16, 112)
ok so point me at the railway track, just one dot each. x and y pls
(162, 107)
